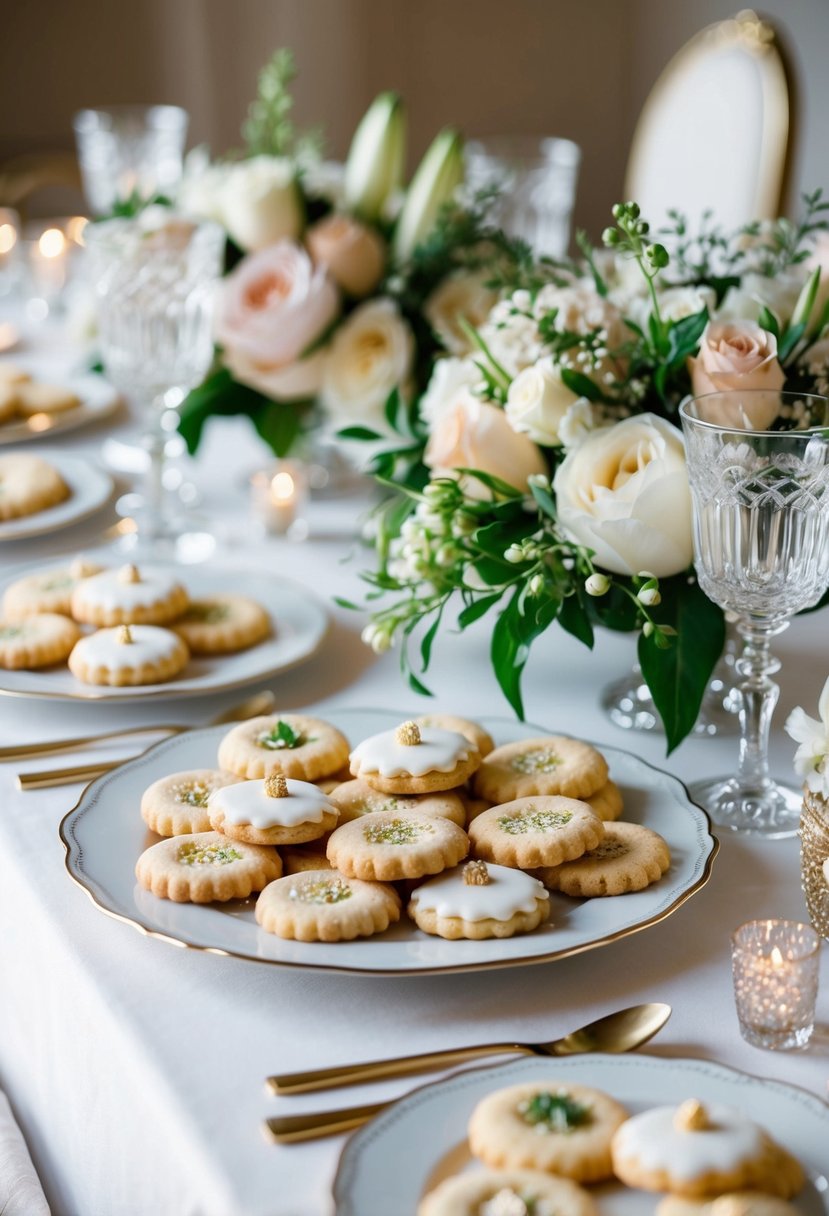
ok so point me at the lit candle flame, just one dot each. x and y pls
(75, 228)
(282, 487)
(52, 243)
(8, 238)
(776, 957)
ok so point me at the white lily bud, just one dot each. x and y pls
(806, 299)
(435, 181)
(649, 596)
(597, 584)
(374, 168)
(514, 554)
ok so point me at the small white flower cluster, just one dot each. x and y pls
(430, 539)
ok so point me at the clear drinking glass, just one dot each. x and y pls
(129, 150)
(761, 551)
(536, 182)
(155, 283)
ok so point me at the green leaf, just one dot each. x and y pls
(580, 384)
(545, 500)
(394, 410)
(343, 603)
(790, 340)
(677, 675)
(508, 654)
(218, 395)
(358, 432)
(573, 616)
(768, 321)
(428, 639)
(417, 685)
(277, 422)
(684, 336)
(478, 608)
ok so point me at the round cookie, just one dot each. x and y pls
(35, 397)
(522, 832)
(37, 641)
(732, 1203)
(297, 858)
(477, 901)
(324, 906)
(223, 624)
(46, 591)
(387, 847)
(547, 1125)
(472, 731)
(306, 748)
(11, 373)
(128, 596)
(629, 858)
(355, 798)
(177, 805)
(607, 802)
(27, 485)
(273, 811)
(530, 1192)
(8, 401)
(128, 655)
(205, 868)
(697, 1150)
(554, 764)
(409, 760)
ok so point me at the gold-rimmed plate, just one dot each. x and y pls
(97, 399)
(104, 836)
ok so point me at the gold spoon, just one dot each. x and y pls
(616, 1032)
(252, 707)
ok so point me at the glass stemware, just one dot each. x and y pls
(761, 551)
(130, 150)
(154, 278)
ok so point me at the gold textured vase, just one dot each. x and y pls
(814, 851)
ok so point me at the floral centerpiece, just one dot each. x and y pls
(342, 286)
(542, 478)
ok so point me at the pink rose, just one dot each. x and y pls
(471, 434)
(736, 356)
(354, 254)
(272, 308)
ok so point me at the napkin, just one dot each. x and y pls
(20, 1191)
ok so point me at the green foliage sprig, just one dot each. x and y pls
(269, 128)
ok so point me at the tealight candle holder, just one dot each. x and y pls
(775, 968)
(279, 498)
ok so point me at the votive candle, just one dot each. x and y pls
(775, 969)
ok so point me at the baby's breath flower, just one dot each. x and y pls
(514, 554)
(378, 636)
(597, 584)
(649, 596)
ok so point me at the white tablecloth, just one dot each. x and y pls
(136, 1069)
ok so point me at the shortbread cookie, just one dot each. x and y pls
(128, 596)
(628, 858)
(8, 402)
(46, 591)
(10, 373)
(387, 847)
(324, 906)
(306, 748)
(177, 805)
(28, 485)
(355, 798)
(35, 397)
(297, 858)
(732, 1203)
(128, 655)
(547, 1125)
(271, 811)
(522, 832)
(554, 764)
(409, 760)
(507, 1193)
(607, 802)
(206, 867)
(37, 641)
(223, 624)
(477, 901)
(702, 1149)
(472, 731)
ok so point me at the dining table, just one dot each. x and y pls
(136, 1068)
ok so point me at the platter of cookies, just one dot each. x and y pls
(40, 494)
(360, 842)
(594, 1135)
(84, 630)
(32, 406)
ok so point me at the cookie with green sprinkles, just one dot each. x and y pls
(292, 744)
(326, 906)
(355, 798)
(177, 805)
(388, 846)
(552, 764)
(507, 1193)
(206, 867)
(520, 832)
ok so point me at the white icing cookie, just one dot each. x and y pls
(479, 900)
(274, 811)
(128, 596)
(415, 760)
(127, 655)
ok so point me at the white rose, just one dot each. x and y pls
(260, 202)
(676, 303)
(578, 422)
(537, 402)
(778, 294)
(449, 378)
(200, 190)
(325, 179)
(624, 494)
(371, 354)
(462, 296)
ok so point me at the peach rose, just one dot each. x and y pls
(272, 308)
(472, 434)
(735, 356)
(354, 254)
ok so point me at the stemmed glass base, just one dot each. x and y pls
(771, 810)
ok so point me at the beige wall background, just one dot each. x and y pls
(577, 68)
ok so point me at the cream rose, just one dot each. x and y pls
(371, 354)
(756, 291)
(354, 254)
(260, 203)
(462, 296)
(537, 402)
(472, 434)
(272, 308)
(449, 378)
(738, 355)
(624, 494)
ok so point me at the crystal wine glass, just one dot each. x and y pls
(758, 465)
(154, 278)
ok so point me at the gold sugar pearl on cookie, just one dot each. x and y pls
(691, 1116)
(276, 786)
(475, 874)
(129, 574)
(125, 635)
(408, 734)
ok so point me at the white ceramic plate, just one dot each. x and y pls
(300, 623)
(104, 836)
(89, 486)
(407, 1150)
(98, 399)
